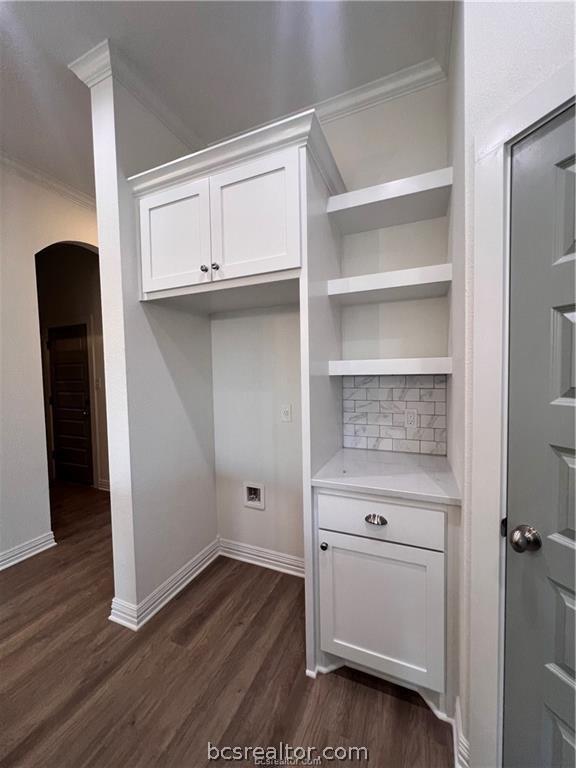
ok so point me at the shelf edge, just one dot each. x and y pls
(382, 281)
(391, 366)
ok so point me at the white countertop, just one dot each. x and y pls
(400, 475)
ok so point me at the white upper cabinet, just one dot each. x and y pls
(255, 217)
(175, 236)
(230, 214)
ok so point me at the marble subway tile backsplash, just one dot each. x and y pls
(374, 413)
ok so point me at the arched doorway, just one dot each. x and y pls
(70, 318)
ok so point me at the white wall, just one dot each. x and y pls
(456, 248)
(397, 138)
(458, 433)
(417, 244)
(32, 217)
(142, 140)
(417, 328)
(256, 370)
(158, 372)
(68, 279)
(510, 48)
(321, 394)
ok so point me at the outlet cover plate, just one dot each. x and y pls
(286, 413)
(410, 418)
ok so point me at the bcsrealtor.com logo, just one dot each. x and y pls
(285, 754)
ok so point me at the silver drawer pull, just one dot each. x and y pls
(375, 519)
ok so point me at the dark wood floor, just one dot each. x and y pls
(223, 662)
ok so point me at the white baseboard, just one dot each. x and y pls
(124, 613)
(311, 673)
(324, 670)
(135, 616)
(267, 558)
(461, 743)
(26, 550)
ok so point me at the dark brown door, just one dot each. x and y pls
(70, 402)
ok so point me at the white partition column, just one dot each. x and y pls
(158, 373)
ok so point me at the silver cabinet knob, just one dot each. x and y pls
(525, 538)
(204, 268)
(323, 546)
(375, 519)
(215, 265)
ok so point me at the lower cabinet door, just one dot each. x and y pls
(382, 606)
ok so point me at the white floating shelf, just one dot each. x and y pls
(397, 202)
(398, 285)
(390, 366)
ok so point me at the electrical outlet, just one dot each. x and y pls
(410, 418)
(286, 413)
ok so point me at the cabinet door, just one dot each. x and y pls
(256, 216)
(382, 606)
(175, 236)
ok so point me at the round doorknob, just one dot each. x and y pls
(323, 546)
(215, 265)
(525, 538)
(204, 268)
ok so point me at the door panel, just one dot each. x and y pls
(382, 606)
(175, 237)
(70, 403)
(539, 645)
(255, 217)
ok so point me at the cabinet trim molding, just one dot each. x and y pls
(299, 130)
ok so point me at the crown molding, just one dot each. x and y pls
(48, 182)
(300, 130)
(393, 86)
(103, 61)
(93, 66)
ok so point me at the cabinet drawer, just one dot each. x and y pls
(416, 526)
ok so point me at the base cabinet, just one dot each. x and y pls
(382, 606)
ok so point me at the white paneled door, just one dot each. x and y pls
(255, 216)
(382, 606)
(175, 236)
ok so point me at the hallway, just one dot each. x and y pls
(224, 662)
